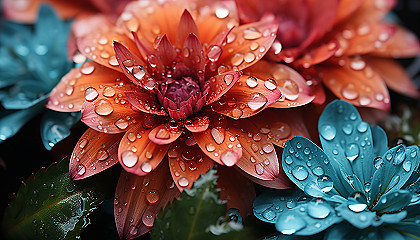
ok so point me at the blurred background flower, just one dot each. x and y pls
(354, 186)
(33, 59)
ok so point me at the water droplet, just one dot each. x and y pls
(290, 204)
(318, 208)
(83, 143)
(318, 171)
(163, 133)
(257, 101)
(129, 158)
(228, 78)
(251, 34)
(133, 230)
(269, 214)
(109, 92)
(328, 132)
(288, 160)
(217, 135)
(237, 113)
(300, 172)
(306, 150)
(357, 202)
(348, 129)
(237, 59)
(152, 196)
(121, 124)
(210, 147)
(138, 72)
(325, 183)
(352, 151)
(81, 169)
(367, 187)
(214, 53)
(363, 126)
(251, 82)
(87, 69)
(222, 12)
(289, 89)
(102, 154)
(290, 222)
(183, 182)
(270, 84)
(229, 158)
(357, 64)
(146, 167)
(268, 148)
(350, 92)
(249, 57)
(103, 107)
(399, 155)
(148, 219)
(259, 169)
(91, 94)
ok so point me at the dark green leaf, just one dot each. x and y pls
(51, 205)
(197, 214)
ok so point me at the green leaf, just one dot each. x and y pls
(197, 214)
(51, 205)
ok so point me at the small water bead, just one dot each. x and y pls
(163, 134)
(83, 143)
(222, 12)
(237, 59)
(109, 92)
(102, 154)
(291, 204)
(400, 155)
(251, 82)
(367, 187)
(146, 167)
(148, 219)
(103, 107)
(91, 94)
(269, 214)
(113, 61)
(318, 208)
(129, 158)
(257, 101)
(251, 34)
(306, 151)
(328, 132)
(183, 182)
(288, 160)
(290, 222)
(352, 151)
(300, 173)
(364, 101)
(357, 202)
(268, 148)
(289, 89)
(413, 153)
(87, 69)
(210, 147)
(131, 137)
(259, 169)
(152, 196)
(133, 230)
(350, 92)
(318, 171)
(138, 72)
(121, 124)
(270, 84)
(214, 53)
(353, 116)
(218, 135)
(228, 78)
(325, 183)
(348, 129)
(81, 169)
(229, 158)
(357, 64)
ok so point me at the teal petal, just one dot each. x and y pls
(55, 126)
(24, 94)
(13, 121)
(389, 234)
(271, 203)
(343, 231)
(380, 141)
(347, 139)
(394, 217)
(393, 201)
(311, 169)
(408, 230)
(360, 220)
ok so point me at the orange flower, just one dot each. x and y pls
(344, 44)
(167, 95)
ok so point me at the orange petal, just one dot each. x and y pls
(198, 124)
(187, 163)
(69, 94)
(137, 153)
(98, 45)
(133, 67)
(403, 44)
(247, 97)
(145, 101)
(218, 143)
(353, 80)
(139, 199)
(248, 43)
(236, 190)
(293, 86)
(94, 153)
(394, 76)
(186, 26)
(259, 157)
(317, 55)
(282, 182)
(164, 134)
(85, 24)
(280, 125)
(220, 84)
(193, 53)
(165, 52)
(107, 110)
(346, 8)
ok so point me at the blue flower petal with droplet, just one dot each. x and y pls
(354, 178)
(32, 61)
(55, 126)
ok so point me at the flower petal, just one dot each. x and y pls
(98, 45)
(220, 84)
(403, 44)
(259, 158)
(247, 44)
(317, 55)
(339, 125)
(145, 101)
(69, 94)
(164, 134)
(139, 199)
(380, 141)
(247, 97)
(218, 143)
(282, 182)
(186, 26)
(280, 124)
(393, 201)
(187, 163)
(166, 53)
(293, 86)
(94, 152)
(109, 112)
(193, 53)
(394, 76)
(198, 124)
(236, 190)
(356, 82)
(137, 153)
(346, 8)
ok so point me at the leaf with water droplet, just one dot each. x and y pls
(55, 126)
(393, 201)
(196, 214)
(359, 220)
(62, 204)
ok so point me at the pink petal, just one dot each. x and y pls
(220, 84)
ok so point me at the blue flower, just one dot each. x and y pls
(354, 187)
(32, 61)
